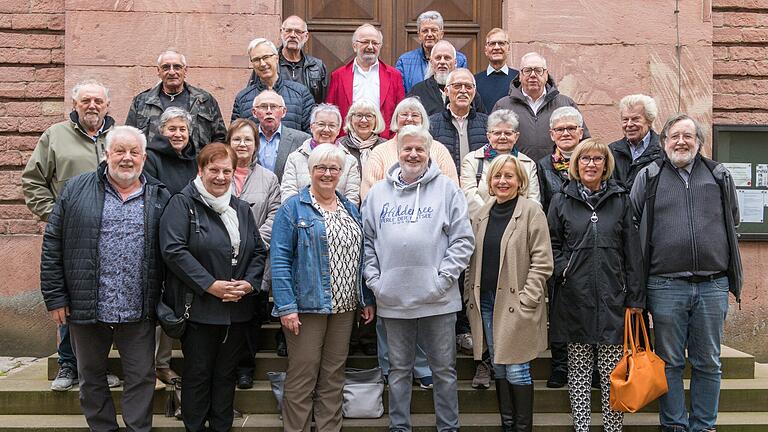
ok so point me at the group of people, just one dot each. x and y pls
(475, 209)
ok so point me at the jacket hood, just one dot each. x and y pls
(393, 174)
(162, 145)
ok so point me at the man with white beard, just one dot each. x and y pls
(298, 66)
(442, 61)
(688, 213)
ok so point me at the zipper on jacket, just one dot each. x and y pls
(147, 250)
(593, 219)
(689, 204)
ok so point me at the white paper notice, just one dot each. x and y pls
(741, 173)
(751, 205)
(762, 175)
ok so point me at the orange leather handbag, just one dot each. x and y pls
(638, 379)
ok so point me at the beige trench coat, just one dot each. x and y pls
(520, 312)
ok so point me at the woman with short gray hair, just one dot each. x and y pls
(171, 153)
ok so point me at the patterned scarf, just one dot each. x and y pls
(489, 152)
(560, 163)
(365, 146)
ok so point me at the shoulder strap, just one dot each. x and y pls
(479, 173)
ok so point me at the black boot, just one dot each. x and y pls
(522, 398)
(506, 405)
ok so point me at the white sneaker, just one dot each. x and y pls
(65, 379)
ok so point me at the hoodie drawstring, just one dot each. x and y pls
(415, 215)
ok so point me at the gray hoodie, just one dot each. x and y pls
(418, 240)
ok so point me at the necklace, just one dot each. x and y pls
(173, 95)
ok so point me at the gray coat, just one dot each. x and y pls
(290, 140)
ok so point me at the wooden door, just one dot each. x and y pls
(332, 22)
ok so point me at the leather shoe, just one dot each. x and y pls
(244, 382)
(166, 375)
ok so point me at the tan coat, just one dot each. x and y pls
(520, 312)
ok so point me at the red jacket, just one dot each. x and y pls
(391, 93)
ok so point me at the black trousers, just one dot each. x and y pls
(136, 344)
(211, 355)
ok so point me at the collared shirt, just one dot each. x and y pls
(461, 125)
(685, 172)
(365, 84)
(504, 69)
(268, 148)
(638, 149)
(535, 104)
(121, 257)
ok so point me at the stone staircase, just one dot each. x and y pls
(27, 404)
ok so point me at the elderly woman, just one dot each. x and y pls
(508, 273)
(363, 125)
(260, 188)
(171, 155)
(316, 257)
(325, 124)
(502, 136)
(408, 112)
(597, 270)
(211, 246)
(565, 129)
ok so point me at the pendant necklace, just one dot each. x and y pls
(173, 95)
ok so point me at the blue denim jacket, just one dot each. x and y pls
(301, 280)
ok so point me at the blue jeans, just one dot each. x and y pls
(689, 315)
(517, 374)
(65, 349)
(420, 368)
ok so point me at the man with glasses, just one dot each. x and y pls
(366, 77)
(299, 102)
(459, 126)
(640, 145)
(276, 141)
(298, 66)
(533, 96)
(173, 90)
(431, 91)
(413, 64)
(493, 83)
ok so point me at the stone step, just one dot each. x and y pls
(642, 422)
(736, 364)
(35, 397)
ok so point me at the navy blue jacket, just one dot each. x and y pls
(298, 102)
(442, 129)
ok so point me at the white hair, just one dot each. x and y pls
(413, 104)
(430, 16)
(649, 105)
(266, 92)
(532, 54)
(365, 105)
(126, 132)
(173, 112)
(503, 116)
(565, 113)
(172, 51)
(326, 152)
(86, 83)
(325, 107)
(455, 71)
(354, 35)
(413, 131)
(260, 41)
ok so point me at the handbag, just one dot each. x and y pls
(172, 325)
(363, 394)
(639, 378)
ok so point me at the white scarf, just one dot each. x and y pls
(227, 214)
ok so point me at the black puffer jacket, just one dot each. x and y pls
(550, 181)
(312, 73)
(597, 266)
(442, 129)
(626, 170)
(69, 270)
(197, 250)
(430, 93)
(298, 102)
(170, 168)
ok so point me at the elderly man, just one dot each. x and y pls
(366, 77)
(413, 64)
(266, 76)
(640, 145)
(459, 126)
(298, 66)
(173, 90)
(65, 150)
(533, 96)
(431, 91)
(417, 242)
(276, 141)
(493, 83)
(688, 213)
(100, 272)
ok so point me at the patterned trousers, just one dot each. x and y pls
(580, 361)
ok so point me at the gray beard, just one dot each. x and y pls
(441, 77)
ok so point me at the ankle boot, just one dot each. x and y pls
(522, 399)
(506, 406)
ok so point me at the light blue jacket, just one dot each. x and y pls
(301, 278)
(413, 65)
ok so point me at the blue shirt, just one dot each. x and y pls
(268, 148)
(639, 149)
(121, 257)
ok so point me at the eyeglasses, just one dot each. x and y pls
(405, 115)
(561, 130)
(268, 107)
(239, 140)
(499, 133)
(372, 43)
(490, 44)
(598, 160)
(360, 116)
(167, 67)
(257, 60)
(331, 126)
(458, 86)
(295, 31)
(332, 170)
(686, 137)
(527, 71)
